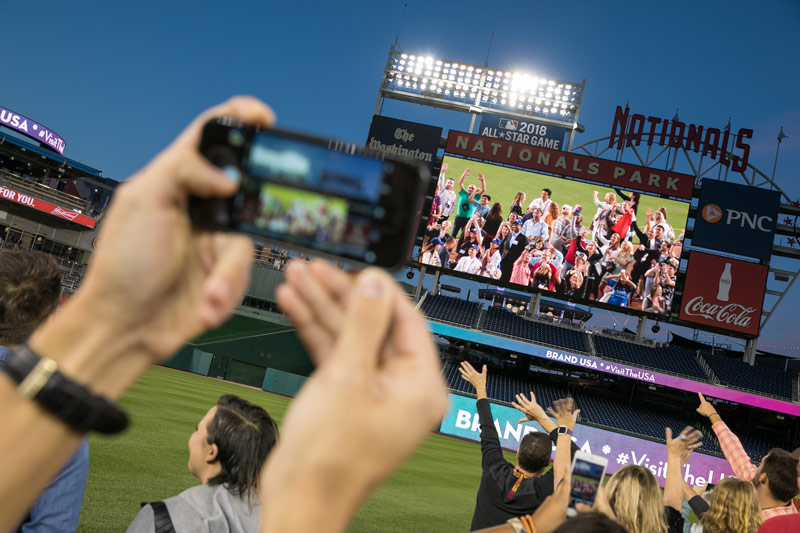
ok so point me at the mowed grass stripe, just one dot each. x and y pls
(433, 491)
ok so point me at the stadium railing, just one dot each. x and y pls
(42, 192)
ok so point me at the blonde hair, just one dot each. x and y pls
(636, 500)
(733, 508)
(610, 198)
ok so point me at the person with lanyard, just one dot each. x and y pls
(447, 196)
(775, 479)
(509, 490)
(468, 198)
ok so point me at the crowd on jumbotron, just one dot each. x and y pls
(554, 247)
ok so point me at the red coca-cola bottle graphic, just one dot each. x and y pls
(724, 284)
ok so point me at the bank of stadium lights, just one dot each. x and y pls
(429, 78)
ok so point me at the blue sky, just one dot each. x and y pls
(119, 81)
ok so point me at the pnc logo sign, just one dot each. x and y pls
(712, 213)
(736, 218)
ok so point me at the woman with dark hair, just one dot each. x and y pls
(226, 453)
(492, 224)
(429, 254)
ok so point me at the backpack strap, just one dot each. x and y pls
(161, 520)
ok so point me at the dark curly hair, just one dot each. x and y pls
(244, 434)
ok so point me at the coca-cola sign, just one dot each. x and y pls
(724, 293)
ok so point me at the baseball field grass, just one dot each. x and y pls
(503, 183)
(433, 491)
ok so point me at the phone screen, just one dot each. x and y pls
(586, 478)
(305, 194)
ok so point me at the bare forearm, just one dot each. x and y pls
(480, 392)
(547, 424)
(561, 461)
(334, 502)
(672, 486)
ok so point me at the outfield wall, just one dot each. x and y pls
(246, 360)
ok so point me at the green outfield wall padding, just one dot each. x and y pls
(200, 362)
(246, 358)
(281, 382)
(245, 373)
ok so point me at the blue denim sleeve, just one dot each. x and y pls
(59, 507)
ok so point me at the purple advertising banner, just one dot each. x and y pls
(618, 369)
(462, 421)
(32, 129)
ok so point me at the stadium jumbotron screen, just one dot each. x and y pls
(523, 229)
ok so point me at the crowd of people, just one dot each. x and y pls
(614, 257)
(155, 282)
(758, 499)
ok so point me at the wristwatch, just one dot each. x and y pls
(39, 380)
(564, 430)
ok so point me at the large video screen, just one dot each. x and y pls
(583, 242)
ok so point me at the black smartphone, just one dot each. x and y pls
(321, 196)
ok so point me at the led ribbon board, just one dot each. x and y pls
(32, 129)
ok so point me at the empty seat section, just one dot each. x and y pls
(757, 378)
(453, 310)
(499, 320)
(670, 359)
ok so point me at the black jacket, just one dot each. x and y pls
(492, 505)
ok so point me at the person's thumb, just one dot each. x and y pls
(367, 318)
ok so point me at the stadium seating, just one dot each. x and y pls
(670, 359)
(453, 310)
(499, 320)
(762, 379)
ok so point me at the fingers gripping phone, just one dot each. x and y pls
(312, 194)
(587, 475)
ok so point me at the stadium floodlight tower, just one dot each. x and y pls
(474, 89)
